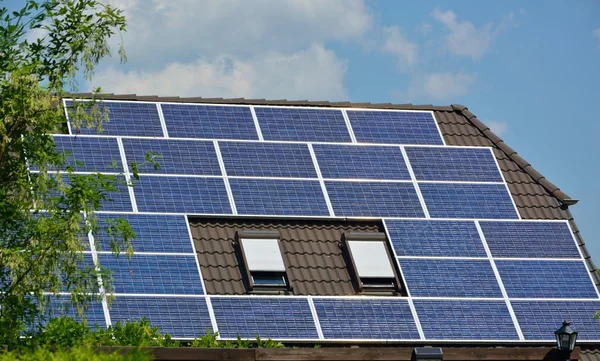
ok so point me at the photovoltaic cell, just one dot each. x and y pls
(447, 200)
(450, 278)
(394, 127)
(435, 238)
(366, 319)
(153, 233)
(126, 118)
(453, 164)
(93, 154)
(57, 306)
(366, 162)
(374, 199)
(546, 279)
(539, 319)
(530, 239)
(182, 195)
(209, 121)
(302, 124)
(117, 200)
(278, 197)
(181, 317)
(478, 320)
(154, 274)
(267, 317)
(267, 160)
(173, 156)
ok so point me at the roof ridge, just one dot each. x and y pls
(512, 155)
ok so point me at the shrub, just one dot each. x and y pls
(73, 354)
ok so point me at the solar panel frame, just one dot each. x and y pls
(344, 161)
(281, 317)
(154, 274)
(454, 164)
(143, 121)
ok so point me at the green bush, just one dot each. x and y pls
(133, 333)
(62, 332)
(73, 354)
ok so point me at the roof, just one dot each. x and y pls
(534, 195)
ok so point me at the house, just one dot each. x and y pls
(339, 224)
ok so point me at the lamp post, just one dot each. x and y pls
(565, 339)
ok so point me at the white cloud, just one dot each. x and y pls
(464, 38)
(596, 34)
(441, 86)
(395, 43)
(498, 128)
(314, 73)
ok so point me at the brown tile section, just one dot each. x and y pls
(316, 265)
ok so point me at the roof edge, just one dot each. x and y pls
(512, 154)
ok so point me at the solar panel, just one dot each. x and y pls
(173, 156)
(374, 199)
(539, 319)
(57, 306)
(209, 121)
(435, 238)
(83, 156)
(302, 124)
(153, 233)
(278, 197)
(546, 279)
(453, 164)
(478, 320)
(126, 118)
(154, 274)
(366, 162)
(394, 127)
(530, 239)
(267, 317)
(365, 319)
(267, 160)
(450, 278)
(117, 200)
(447, 200)
(182, 195)
(181, 317)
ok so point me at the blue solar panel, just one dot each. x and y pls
(117, 200)
(394, 127)
(539, 319)
(62, 306)
(278, 197)
(126, 118)
(182, 195)
(450, 278)
(435, 238)
(477, 320)
(248, 317)
(181, 317)
(267, 160)
(154, 274)
(530, 239)
(86, 152)
(301, 124)
(173, 156)
(453, 164)
(153, 233)
(365, 319)
(445, 200)
(209, 121)
(374, 162)
(374, 199)
(546, 279)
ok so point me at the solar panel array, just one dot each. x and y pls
(464, 255)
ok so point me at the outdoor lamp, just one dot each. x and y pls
(565, 337)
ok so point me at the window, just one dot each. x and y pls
(261, 261)
(369, 262)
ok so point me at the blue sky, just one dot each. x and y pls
(530, 70)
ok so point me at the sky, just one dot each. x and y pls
(528, 69)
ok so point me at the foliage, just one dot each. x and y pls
(45, 215)
(133, 333)
(73, 354)
(209, 340)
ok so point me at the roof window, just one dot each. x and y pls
(369, 262)
(261, 261)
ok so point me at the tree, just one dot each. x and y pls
(46, 214)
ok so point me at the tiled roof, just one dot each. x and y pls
(534, 195)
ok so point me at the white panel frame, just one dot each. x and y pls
(127, 175)
(225, 177)
(415, 183)
(161, 117)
